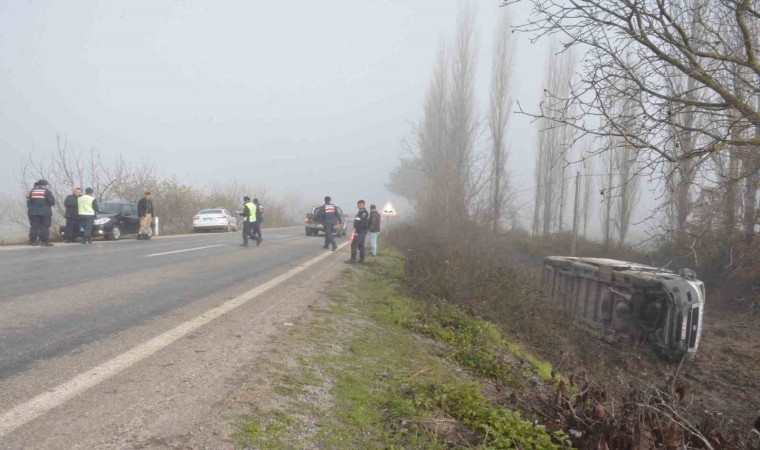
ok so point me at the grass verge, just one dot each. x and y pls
(377, 369)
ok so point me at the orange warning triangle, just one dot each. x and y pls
(389, 210)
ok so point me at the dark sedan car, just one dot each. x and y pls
(313, 227)
(113, 221)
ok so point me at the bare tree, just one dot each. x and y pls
(444, 139)
(608, 184)
(134, 180)
(642, 45)
(628, 190)
(462, 117)
(498, 117)
(431, 141)
(408, 180)
(587, 184)
(65, 168)
(751, 219)
(627, 173)
(539, 174)
(554, 143)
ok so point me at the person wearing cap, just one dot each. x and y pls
(72, 215)
(88, 206)
(374, 229)
(39, 203)
(249, 218)
(329, 216)
(360, 233)
(145, 213)
(259, 220)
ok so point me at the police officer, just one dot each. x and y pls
(249, 218)
(329, 215)
(360, 233)
(39, 203)
(72, 215)
(88, 206)
(259, 220)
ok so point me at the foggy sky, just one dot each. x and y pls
(311, 97)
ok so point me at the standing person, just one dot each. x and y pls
(249, 219)
(145, 212)
(259, 221)
(72, 215)
(374, 229)
(360, 233)
(39, 203)
(88, 206)
(329, 215)
(33, 240)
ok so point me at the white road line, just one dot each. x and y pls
(30, 410)
(286, 235)
(184, 250)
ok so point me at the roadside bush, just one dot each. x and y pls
(493, 279)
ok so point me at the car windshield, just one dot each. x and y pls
(109, 208)
(211, 211)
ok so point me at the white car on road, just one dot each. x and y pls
(214, 219)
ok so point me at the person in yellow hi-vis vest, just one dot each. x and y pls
(249, 218)
(88, 206)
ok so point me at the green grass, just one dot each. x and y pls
(393, 366)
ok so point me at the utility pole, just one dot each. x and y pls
(575, 213)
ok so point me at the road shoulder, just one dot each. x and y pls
(372, 368)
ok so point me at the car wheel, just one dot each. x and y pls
(115, 234)
(308, 232)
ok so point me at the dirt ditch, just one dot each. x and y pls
(718, 391)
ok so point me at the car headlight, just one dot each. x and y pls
(102, 221)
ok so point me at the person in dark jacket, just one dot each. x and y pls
(360, 233)
(72, 215)
(145, 212)
(374, 229)
(329, 216)
(40, 202)
(259, 221)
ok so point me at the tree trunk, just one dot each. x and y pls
(751, 185)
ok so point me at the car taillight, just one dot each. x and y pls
(222, 216)
(306, 220)
(196, 217)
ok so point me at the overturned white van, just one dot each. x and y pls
(665, 307)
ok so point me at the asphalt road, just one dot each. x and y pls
(66, 309)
